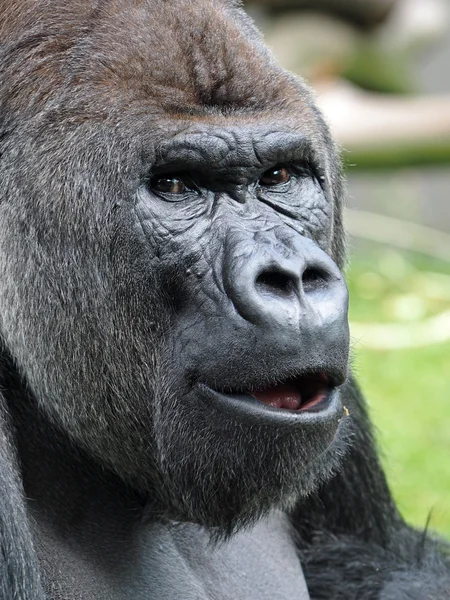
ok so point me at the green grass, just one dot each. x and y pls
(409, 401)
(408, 389)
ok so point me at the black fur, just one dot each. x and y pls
(120, 304)
(354, 544)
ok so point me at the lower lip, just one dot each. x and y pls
(246, 406)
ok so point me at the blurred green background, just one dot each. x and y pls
(408, 388)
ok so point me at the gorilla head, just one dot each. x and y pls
(170, 231)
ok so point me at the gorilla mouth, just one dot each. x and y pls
(297, 394)
(306, 398)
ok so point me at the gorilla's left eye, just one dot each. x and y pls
(169, 185)
(275, 176)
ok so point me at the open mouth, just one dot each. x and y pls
(297, 394)
(305, 399)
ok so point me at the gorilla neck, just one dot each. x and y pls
(62, 483)
(93, 535)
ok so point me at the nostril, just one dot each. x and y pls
(276, 283)
(314, 278)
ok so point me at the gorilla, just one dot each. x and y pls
(178, 420)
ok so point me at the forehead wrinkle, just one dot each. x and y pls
(230, 150)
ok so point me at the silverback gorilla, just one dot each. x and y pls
(177, 418)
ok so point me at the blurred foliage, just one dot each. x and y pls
(408, 389)
(373, 69)
(407, 154)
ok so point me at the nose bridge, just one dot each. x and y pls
(272, 251)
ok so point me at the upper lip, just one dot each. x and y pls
(327, 377)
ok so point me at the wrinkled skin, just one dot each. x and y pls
(173, 316)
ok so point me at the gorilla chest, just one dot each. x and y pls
(179, 561)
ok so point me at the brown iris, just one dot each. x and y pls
(169, 185)
(275, 176)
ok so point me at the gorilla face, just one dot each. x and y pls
(259, 339)
(169, 227)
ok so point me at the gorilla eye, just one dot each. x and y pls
(275, 176)
(168, 185)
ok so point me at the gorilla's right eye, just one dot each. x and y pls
(169, 185)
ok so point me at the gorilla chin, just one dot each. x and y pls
(283, 441)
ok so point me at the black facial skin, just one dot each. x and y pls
(171, 248)
(245, 263)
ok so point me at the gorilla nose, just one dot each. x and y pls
(304, 291)
(285, 283)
